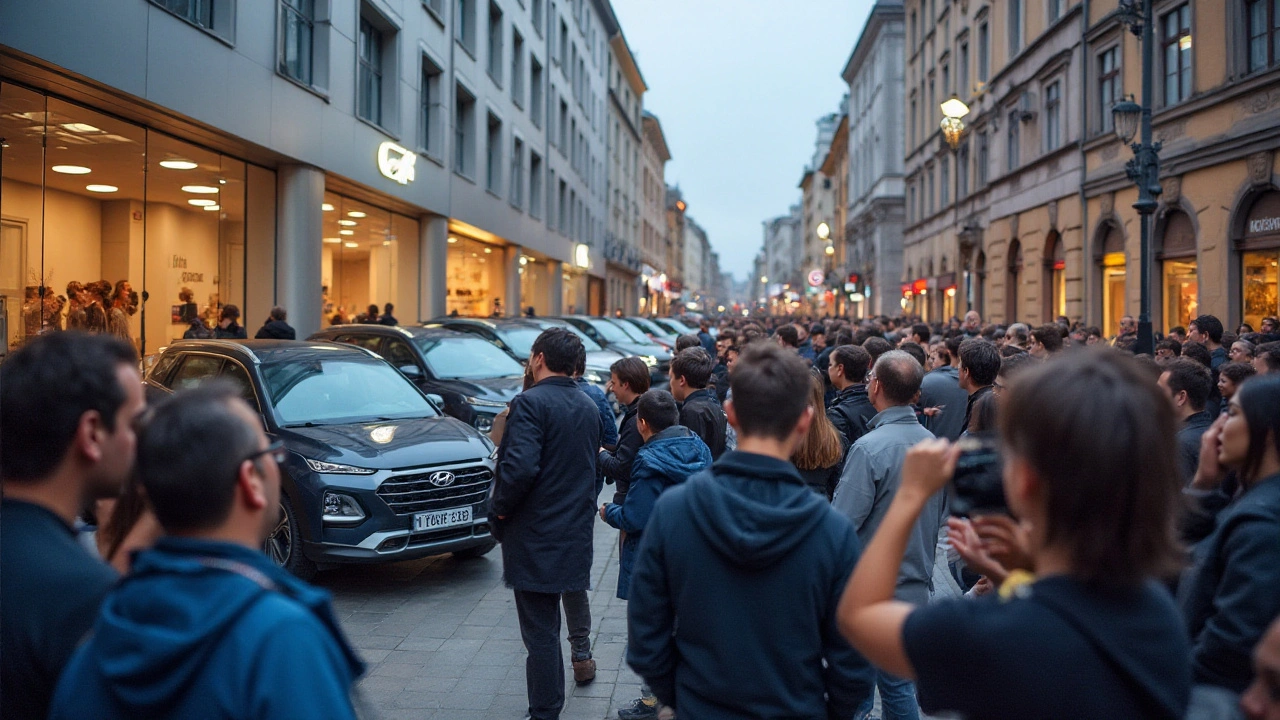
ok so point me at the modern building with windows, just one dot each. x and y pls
(655, 242)
(625, 142)
(321, 155)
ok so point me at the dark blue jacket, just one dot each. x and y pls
(702, 413)
(1232, 592)
(669, 458)
(180, 638)
(546, 488)
(750, 565)
(851, 413)
(607, 421)
(1189, 436)
(708, 342)
(616, 464)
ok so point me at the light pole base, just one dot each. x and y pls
(1146, 342)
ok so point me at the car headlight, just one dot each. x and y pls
(594, 377)
(485, 403)
(484, 423)
(341, 508)
(321, 466)
(649, 360)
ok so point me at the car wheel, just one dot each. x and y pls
(284, 544)
(476, 551)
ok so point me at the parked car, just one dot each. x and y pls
(657, 333)
(515, 336)
(610, 334)
(474, 379)
(673, 326)
(375, 472)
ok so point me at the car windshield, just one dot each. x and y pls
(587, 343)
(341, 391)
(520, 339)
(632, 331)
(461, 358)
(609, 331)
(671, 326)
(648, 326)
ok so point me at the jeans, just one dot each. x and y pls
(897, 699)
(577, 616)
(539, 615)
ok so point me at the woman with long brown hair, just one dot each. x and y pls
(819, 457)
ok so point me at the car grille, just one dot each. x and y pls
(408, 494)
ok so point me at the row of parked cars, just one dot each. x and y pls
(387, 427)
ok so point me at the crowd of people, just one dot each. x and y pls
(814, 515)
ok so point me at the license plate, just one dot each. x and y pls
(439, 519)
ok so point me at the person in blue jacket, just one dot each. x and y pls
(207, 626)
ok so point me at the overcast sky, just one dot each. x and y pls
(738, 85)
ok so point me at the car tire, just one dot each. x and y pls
(284, 544)
(476, 551)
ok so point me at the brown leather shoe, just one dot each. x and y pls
(584, 671)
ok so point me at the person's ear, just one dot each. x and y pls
(730, 414)
(252, 486)
(804, 423)
(90, 435)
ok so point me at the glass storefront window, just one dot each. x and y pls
(475, 280)
(1181, 292)
(1113, 298)
(363, 261)
(535, 285)
(1261, 275)
(575, 293)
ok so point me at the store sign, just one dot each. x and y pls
(1264, 225)
(815, 278)
(582, 256)
(396, 163)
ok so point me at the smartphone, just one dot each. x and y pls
(977, 487)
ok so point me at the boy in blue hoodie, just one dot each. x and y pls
(670, 454)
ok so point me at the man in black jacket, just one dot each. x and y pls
(1187, 383)
(275, 328)
(725, 550)
(700, 411)
(979, 365)
(851, 410)
(543, 507)
(628, 380)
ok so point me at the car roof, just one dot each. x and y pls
(409, 331)
(265, 351)
(488, 322)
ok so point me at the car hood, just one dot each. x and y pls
(635, 348)
(497, 389)
(388, 445)
(603, 359)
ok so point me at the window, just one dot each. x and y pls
(464, 131)
(535, 91)
(517, 172)
(1109, 86)
(564, 48)
(297, 25)
(216, 16)
(535, 184)
(962, 171)
(946, 80)
(495, 43)
(929, 197)
(430, 109)
(436, 7)
(913, 30)
(1013, 136)
(944, 180)
(564, 128)
(1263, 17)
(369, 98)
(562, 215)
(1055, 11)
(1175, 38)
(984, 53)
(537, 11)
(517, 68)
(912, 212)
(983, 159)
(1015, 27)
(493, 156)
(962, 72)
(464, 23)
(1053, 116)
(914, 114)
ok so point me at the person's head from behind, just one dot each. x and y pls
(1045, 340)
(1189, 384)
(690, 372)
(279, 313)
(556, 351)
(388, 309)
(1070, 472)
(229, 315)
(1266, 359)
(1193, 350)
(1168, 350)
(1261, 701)
(628, 379)
(1010, 366)
(920, 334)
(1206, 330)
(848, 366)
(229, 489)
(979, 364)
(983, 417)
(895, 380)
(1230, 375)
(876, 346)
(770, 401)
(788, 336)
(687, 341)
(1250, 438)
(656, 411)
(372, 311)
(915, 351)
(822, 446)
(68, 403)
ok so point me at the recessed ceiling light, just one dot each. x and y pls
(327, 207)
(200, 189)
(346, 232)
(386, 243)
(178, 164)
(333, 240)
(350, 244)
(212, 208)
(71, 169)
(453, 239)
(80, 127)
(348, 223)
(101, 188)
(201, 202)
(488, 251)
(356, 213)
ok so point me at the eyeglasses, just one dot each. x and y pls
(276, 451)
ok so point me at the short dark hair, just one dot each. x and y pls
(921, 330)
(229, 311)
(1192, 378)
(915, 351)
(1116, 518)
(560, 349)
(279, 313)
(899, 375)
(1209, 325)
(843, 337)
(1011, 365)
(387, 308)
(1177, 330)
(1050, 336)
(1237, 372)
(1259, 398)
(981, 359)
(788, 335)
(853, 360)
(1197, 352)
(1270, 355)
(46, 387)
(633, 372)
(953, 345)
(818, 329)
(770, 389)
(876, 346)
(658, 409)
(694, 365)
(191, 485)
(687, 341)
(1171, 345)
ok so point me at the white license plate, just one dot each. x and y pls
(427, 521)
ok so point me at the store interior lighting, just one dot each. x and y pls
(201, 202)
(200, 189)
(101, 188)
(357, 214)
(71, 169)
(178, 164)
(327, 207)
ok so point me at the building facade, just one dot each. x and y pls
(625, 139)
(654, 240)
(780, 267)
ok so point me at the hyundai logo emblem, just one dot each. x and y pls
(442, 478)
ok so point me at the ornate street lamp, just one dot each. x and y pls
(952, 126)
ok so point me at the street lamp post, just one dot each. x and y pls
(1144, 168)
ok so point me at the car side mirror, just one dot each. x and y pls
(411, 371)
(436, 400)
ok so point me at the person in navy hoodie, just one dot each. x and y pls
(749, 563)
(670, 454)
(207, 625)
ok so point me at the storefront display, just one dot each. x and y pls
(1177, 252)
(575, 292)
(1111, 276)
(535, 285)
(475, 278)
(1260, 260)
(366, 255)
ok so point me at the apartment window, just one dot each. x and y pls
(464, 23)
(562, 213)
(1264, 33)
(1013, 138)
(536, 9)
(564, 48)
(1055, 10)
(914, 114)
(535, 184)
(911, 209)
(962, 171)
(464, 131)
(929, 208)
(493, 155)
(297, 27)
(517, 68)
(430, 109)
(1053, 116)
(564, 128)
(1109, 86)
(984, 53)
(535, 91)
(944, 180)
(369, 98)
(946, 80)
(1175, 35)
(1015, 27)
(517, 172)
(913, 30)
(495, 43)
(215, 16)
(962, 72)
(984, 158)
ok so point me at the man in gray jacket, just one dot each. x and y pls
(941, 390)
(871, 476)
